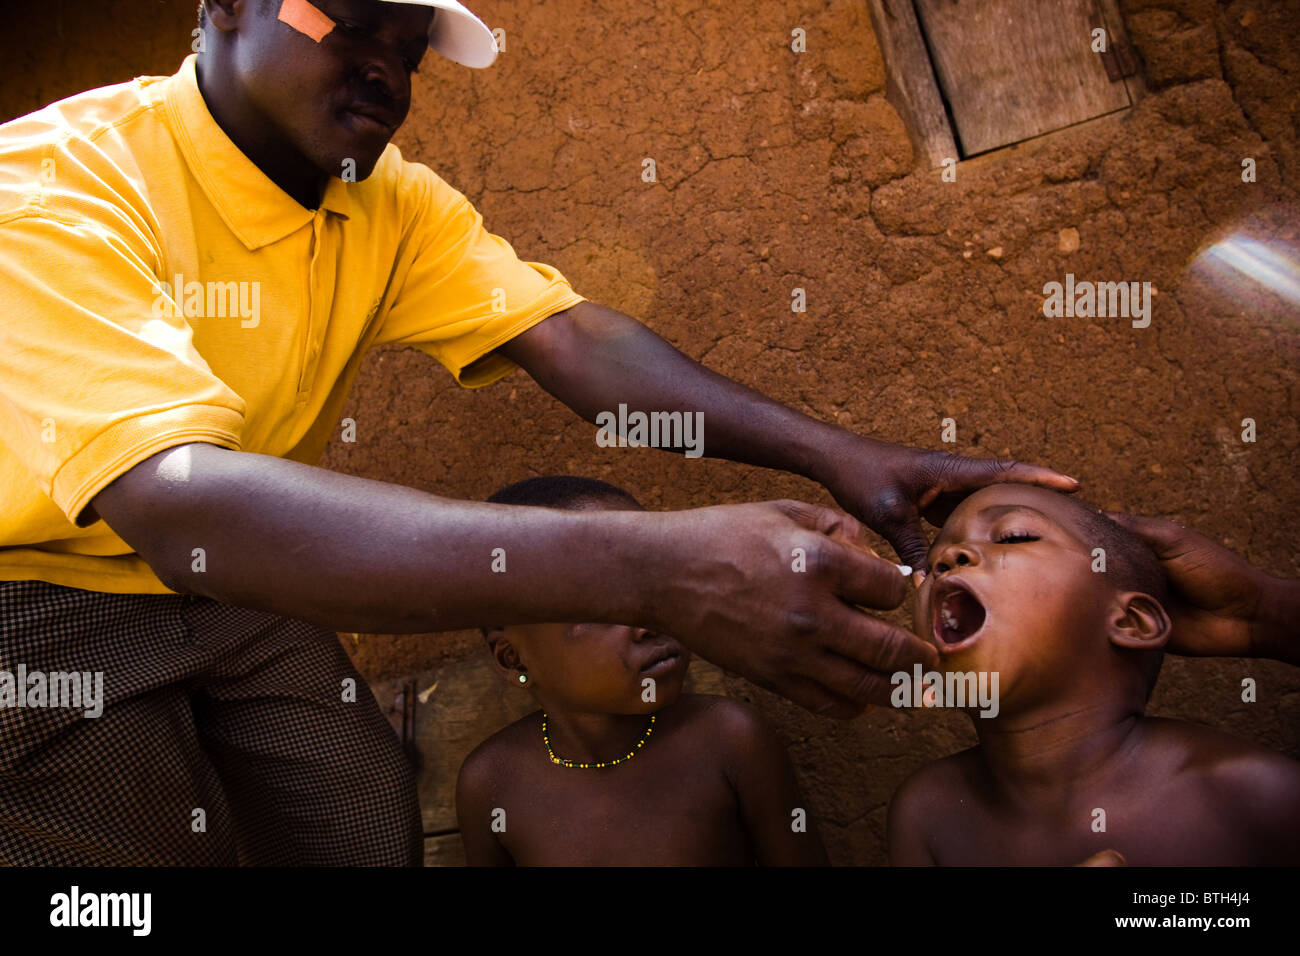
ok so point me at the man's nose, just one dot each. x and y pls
(383, 70)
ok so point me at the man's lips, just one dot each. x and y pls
(374, 117)
(957, 616)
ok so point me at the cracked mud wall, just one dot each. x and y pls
(780, 170)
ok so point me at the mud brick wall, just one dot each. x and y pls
(780, 170)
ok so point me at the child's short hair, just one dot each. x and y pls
(568, 492)
(1129, 563)
(1132, 565)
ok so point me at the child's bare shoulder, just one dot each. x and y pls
(937, 782)
(1235, 773)
(1209, 751)
(920, 808)
(730, 722)
(493, 758)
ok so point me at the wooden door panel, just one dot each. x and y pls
(1012, 69)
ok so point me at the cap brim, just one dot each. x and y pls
(457, 34)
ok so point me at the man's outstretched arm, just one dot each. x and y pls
(592, 358)
(359, 555)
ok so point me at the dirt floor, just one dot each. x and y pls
(780, 170)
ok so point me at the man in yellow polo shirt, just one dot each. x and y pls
(192, 269)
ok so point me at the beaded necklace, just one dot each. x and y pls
(650, 728)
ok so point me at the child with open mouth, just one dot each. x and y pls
(618, 767)
(1066, 606)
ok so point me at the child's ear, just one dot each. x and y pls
(504, 655)
(1139, 622)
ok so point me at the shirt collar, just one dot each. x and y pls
(254, 208)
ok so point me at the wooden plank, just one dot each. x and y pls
(911, 86)
(1108, 16)
(1012, 69)
(704, 678)
(445, 849)
(469, 702)
(396, 702)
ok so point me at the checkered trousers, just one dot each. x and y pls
(225, 738)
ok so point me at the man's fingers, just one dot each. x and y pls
(940, 508)
(818, 699)
(1042, 477)
(861, 578)
(960, 473)
(811, 695)
(848, 680)
(1153, 529)
(829, 521)
(861, 574)
(868, 642)
(909, 543)
(1167, 539)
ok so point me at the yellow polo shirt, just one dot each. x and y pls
(156, 288)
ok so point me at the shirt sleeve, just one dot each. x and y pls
(98, 369)
(462, 290)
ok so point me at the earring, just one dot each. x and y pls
(523, 678)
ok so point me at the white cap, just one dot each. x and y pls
(457, 34)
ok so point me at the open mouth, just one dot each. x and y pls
(957, 615)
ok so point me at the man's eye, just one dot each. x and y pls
(1011, 537)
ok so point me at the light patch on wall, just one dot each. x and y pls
(1242, 266)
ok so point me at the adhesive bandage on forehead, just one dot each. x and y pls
(304, 17)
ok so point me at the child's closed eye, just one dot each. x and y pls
(1012, 537)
